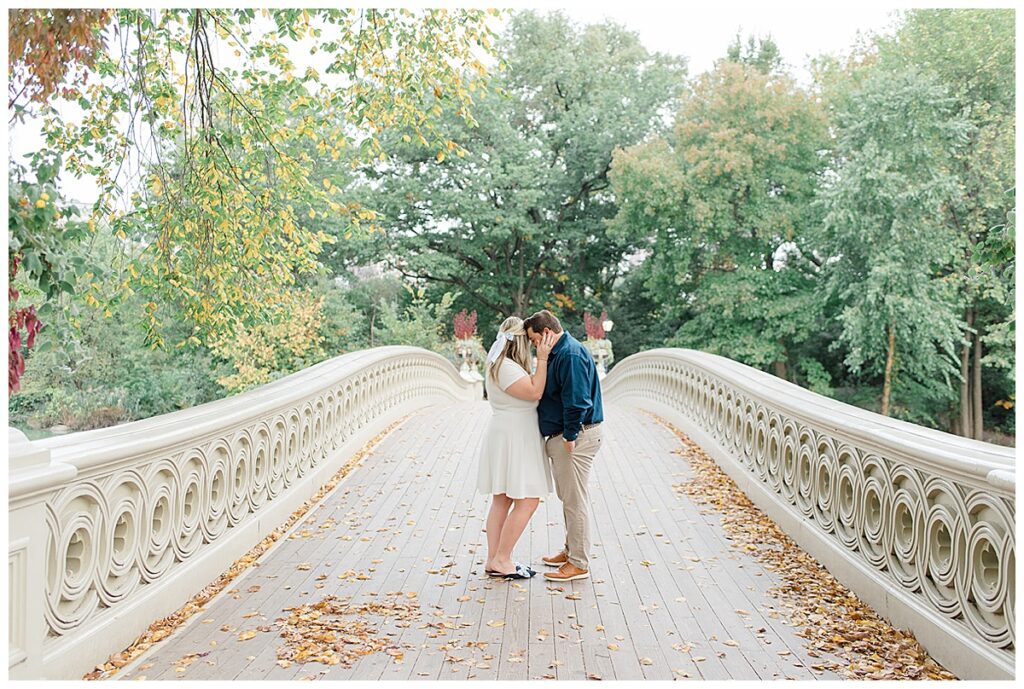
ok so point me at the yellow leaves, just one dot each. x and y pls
(440, 159)
(40, 203)
(120, 234)
(496, 623)
(312, 213)
(406, 138)
(646, 563)
(245, 636)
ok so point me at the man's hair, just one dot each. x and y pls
(543, 319)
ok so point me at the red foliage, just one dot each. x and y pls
(465, 325)
(594, 326)
(20, 319)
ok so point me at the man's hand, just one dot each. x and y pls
(570, 445)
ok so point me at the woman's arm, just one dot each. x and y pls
(532, 387)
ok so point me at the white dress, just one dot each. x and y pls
(513, 460)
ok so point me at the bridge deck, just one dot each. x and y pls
(668, 597)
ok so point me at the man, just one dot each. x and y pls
(570, 414)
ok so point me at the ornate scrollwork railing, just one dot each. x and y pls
(917, 522)
(113, 528)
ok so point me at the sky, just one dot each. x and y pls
(701, 33)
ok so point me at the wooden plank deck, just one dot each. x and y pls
(666, 589)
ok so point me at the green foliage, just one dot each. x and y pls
(43, 231)
(343, 324)
(790, 229)
(213, 213)
(716, 199)
(421, 324)
(516, 219)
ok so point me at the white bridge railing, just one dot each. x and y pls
(114, 528)
(918, 523)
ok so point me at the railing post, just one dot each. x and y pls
(30, 475)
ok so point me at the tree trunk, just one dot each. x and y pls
(890, 355)
(780, 369)
(965, 380)
(976, 383)
(373, 315)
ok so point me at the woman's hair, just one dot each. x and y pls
(517, 349)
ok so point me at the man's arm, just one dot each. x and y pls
(575, 396)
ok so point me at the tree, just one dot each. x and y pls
(885, 237)
(47, 47)
(514, 219)
(420, 324)
(971, 52)
(723, 204)
(200, 164)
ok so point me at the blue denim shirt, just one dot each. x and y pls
(572, 393)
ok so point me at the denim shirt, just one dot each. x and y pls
(572, 393)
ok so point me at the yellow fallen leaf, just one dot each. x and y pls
(646, 563)
(613, 647)
(245, 636)
(496, 623)
(730, 642)
(646, 661)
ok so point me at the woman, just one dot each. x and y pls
(513, 468)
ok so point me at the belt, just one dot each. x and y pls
(584, 427)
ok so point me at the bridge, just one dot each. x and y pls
(326, 526)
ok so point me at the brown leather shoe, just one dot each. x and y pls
(567, 572)
(556, 560)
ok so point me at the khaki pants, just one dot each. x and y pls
(571, 473)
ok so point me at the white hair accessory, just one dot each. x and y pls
(498, 346)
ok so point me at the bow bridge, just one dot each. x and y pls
(326, 525)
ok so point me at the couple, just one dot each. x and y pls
(554, 413)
